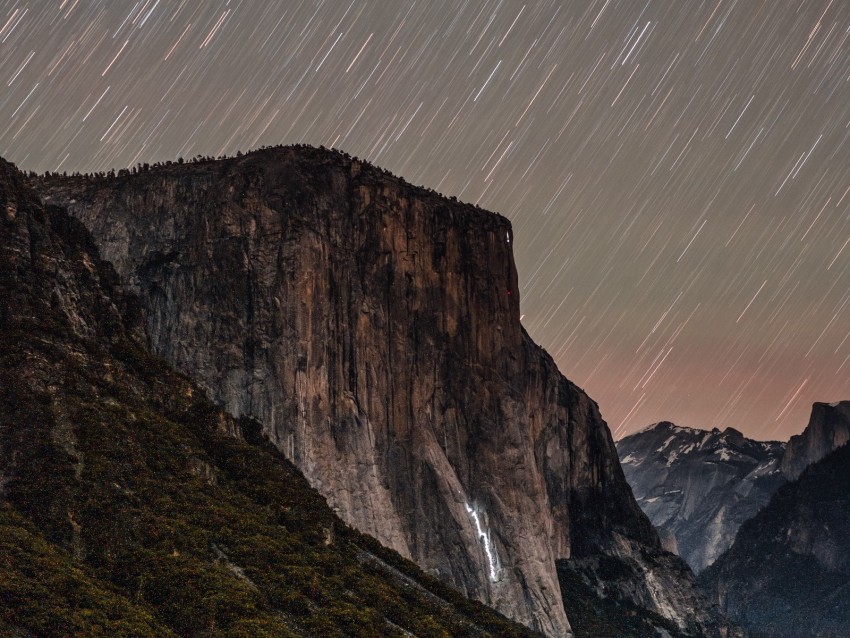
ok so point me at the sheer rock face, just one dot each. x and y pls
(373, 328)
(828, 429)
(699, 486)
(131, 506)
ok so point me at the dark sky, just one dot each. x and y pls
(677, 173)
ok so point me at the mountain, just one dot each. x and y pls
(828, 429)
(700, 486)
(372, 329)
(788, 572)
(130, 505)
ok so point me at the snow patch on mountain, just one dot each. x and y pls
(631, 458)
(700, 486)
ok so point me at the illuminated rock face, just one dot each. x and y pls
(700, 485)
(373, 329)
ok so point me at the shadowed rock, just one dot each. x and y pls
(828, 429)
(788, 573)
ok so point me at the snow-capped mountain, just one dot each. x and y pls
(699, 486)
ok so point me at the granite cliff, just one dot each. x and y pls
(700, 486)
(132, 507)
(828, 429)
(372, 328)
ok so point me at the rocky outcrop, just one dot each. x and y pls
(788, 572)
(699, 486)
(132, 507)
(373, 329)
(828, 429)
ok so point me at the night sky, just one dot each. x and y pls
(677, 173)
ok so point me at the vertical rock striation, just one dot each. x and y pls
(700, 486)
(828, 429)
(373, 328)
(132, 507)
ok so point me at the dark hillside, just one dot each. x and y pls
(788, 572)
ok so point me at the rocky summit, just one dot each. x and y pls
(372, 328)
(699, 486)
(828, 429)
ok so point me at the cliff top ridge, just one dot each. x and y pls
(304, 155)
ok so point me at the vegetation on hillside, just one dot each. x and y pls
(596, 614)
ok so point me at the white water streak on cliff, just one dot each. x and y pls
(492, 558)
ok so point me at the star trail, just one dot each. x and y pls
(677, 173)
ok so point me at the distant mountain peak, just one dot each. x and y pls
(663, 426)
(699, 485)
(828, 429)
